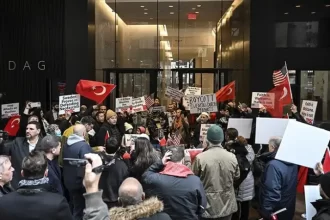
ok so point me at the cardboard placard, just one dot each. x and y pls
(123, 104)
(69, 103)
(267, 98)
(308, 110)
(173, 93)
(9, 110)
(203, 103)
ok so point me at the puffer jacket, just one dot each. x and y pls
(246, 189)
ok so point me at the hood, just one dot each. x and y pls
(144, 209)
(268, 156)
(177, 170)
(73, 138)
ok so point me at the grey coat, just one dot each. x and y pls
(96, 209)
(246, 189)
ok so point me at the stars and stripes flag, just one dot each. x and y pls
(280, 76)
(175, 140)
(149, 100)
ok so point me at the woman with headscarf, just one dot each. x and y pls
(202, 119)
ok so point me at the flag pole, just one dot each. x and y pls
(287, 75)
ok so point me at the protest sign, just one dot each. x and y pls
(130, 139)
(173, 93)
(157, 109)
(267, 98)
(139, 104)
(203, 131)
(203, 103)
(190, 91)
(308, 110)
(9, 110)
(123, 104)
(69, 103)
(312, 193)
(242, 125)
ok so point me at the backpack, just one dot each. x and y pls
(258, 167)
(244, 168)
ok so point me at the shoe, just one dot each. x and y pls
(303, 215)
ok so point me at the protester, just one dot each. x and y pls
(32, 200)
(176, 185)
(109, 128)
(217, 169)
(6, 175)
(278, 185)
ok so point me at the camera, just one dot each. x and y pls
(4, 136)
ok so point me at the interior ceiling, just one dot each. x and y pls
(190, 36)
(299, 9)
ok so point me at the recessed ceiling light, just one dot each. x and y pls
(142, 6)
(327, 5)
(145, 13)
(313, 12)
(286, 13)
(170, 6)
(172, 13)
(197, 12)
(151, 18)
(193, 8)
(298, 6)
(199, 6)
(146, 9)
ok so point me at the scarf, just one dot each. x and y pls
(178, 123)
(34, 182)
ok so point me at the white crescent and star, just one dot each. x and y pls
(16, 119)
(285, 92)
(100, 93)
(230, 91)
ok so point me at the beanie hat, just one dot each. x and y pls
(206, 114)
(325, 183)
(215, 134)
(144, 136)
(142, 129)
(110, 114)
(128, 126)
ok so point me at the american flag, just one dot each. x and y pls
(149, 100)
(279, 76)
(176, 140)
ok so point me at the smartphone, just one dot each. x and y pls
(76, 162)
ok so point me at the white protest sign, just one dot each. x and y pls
(9, 110)
(139, 104)
(130, 139)
(157, 109)
(123, 104)
(203, 131)
(193, 91)
(270, 127)
(69, 103)
(242, 125)
(267, 99)
(303, 144)
(308, 110)
(173, 93)
(203, 103)
(190, 91)
(312, 193)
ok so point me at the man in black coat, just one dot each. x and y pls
(176, 186)
(32, 200)
(21, 147)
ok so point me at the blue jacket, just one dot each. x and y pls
(278, 189)
(76, 148)
(55, 176)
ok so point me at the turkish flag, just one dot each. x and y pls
(302, 179)
(12, 125)
(226, 93)
(96, 91)
(326, 162)
(193, 153)
(282, 97)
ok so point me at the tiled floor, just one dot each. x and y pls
(300, 209)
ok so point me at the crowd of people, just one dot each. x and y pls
(81, 166)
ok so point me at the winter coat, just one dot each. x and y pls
(322, 207)
(113, 131)
(246, 189)
(278, 188)
(96, 209)
(150, 209)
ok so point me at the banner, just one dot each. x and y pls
(203, 103)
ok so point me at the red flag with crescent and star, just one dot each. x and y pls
(226, 93)
(12, 125)
(94, 90)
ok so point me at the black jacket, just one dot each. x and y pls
(113, 130)
(17, 150)
(55, 176)
(5, 190)
(182, 197)
(34, 202)
(322, 207)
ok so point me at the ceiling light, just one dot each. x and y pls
(146, 9)
(172, 13)
(286, 13)
(327, 5)
(313, 12)
(170, 6)
(145, 13)
(199, 6)
(193, 8)
(142, 6)
(197, 12)
(298, 6)
(151, 18)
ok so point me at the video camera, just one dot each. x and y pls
(4, 136)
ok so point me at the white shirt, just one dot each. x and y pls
(32, 146)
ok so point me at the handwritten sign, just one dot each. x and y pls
(9, 110)
(139, 104)
(203, 103)
(69, 103)
(157, 109)
(130, 139)
(123, 104)
(173, 93)
(308, 110)
(267, 98)
(190, 91)
(203, 132)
